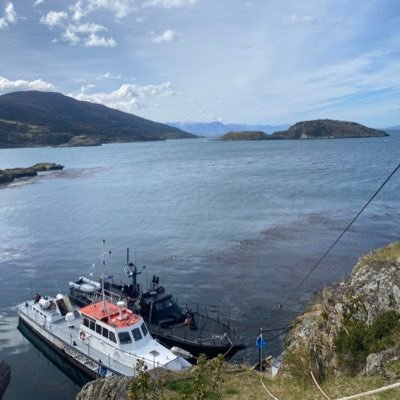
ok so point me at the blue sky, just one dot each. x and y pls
(256, 61)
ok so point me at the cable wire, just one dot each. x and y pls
(344, 231)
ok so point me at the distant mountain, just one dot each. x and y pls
(35, 118)
(392, 129)
(316, 129)
(218, 128)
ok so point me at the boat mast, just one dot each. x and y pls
(103, 276)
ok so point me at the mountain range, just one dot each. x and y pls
(217, 128)
(33, 118)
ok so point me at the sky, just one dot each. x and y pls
(237, 61)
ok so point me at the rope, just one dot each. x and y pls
(275, 398)
(319, 387)
(345, 230)
(382, 389)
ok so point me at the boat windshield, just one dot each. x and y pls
(124, 337)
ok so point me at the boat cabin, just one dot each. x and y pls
(160, 308)
(114, 324)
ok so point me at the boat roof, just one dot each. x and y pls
(108, 313)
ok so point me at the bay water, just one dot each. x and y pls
(232, 224)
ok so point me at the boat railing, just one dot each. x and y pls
(212, 312)
(111, 297)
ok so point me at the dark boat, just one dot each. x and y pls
(197, 330)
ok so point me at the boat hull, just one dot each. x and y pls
(61, 348)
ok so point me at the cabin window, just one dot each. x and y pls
(136, 334)
(158, 306)
(124, 337)
(112, 337)
(98, 329)
(92, 325)
(86, 322)
(144, 329)
(105, 332)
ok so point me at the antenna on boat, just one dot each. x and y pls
(131, 269)
(103, 276)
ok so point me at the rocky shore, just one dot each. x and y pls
(9, 175)
(5, 377)
(355, 328)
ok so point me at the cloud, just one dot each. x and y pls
(54, 18)
(107, 75)
(168, 3)
(128, 97)
(86, 87)
(300, 19)
(9, 86)
(10, 16)
(120, 8)
(99, 41)
(37, 2)
(166, 36)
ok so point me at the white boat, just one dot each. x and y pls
(101, 339)
(85, 285)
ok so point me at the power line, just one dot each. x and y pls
(344, 231)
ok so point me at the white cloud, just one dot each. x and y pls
(54, 18)
(37, 2)
(10, 16)
(120, 8)
(107, 75)
(128, 97)
(166, 36)
(9, 86)
(86, 87)
(300, 19)
(99, 41)
(168, 3)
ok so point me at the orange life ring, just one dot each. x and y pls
(82, 335)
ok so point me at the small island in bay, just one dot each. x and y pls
(315, 129)
(10, 174)
(244, 135)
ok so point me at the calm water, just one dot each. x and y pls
(232, 224)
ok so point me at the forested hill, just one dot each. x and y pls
(33, 118)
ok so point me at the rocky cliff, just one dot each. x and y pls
(355, 329)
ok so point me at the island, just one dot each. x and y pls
(315, 129)
(34, 118)
(9, 175)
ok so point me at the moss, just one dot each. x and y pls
(383, 256)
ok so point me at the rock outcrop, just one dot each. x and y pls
(245, 135)
(355, 326)
(116, 388)
(327, 129)
(5, 377)
(8, 175)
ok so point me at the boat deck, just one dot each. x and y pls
(67, 340)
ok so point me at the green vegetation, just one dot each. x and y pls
(242, 383)
(34, 118)
(385, 256)
(357, 340)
